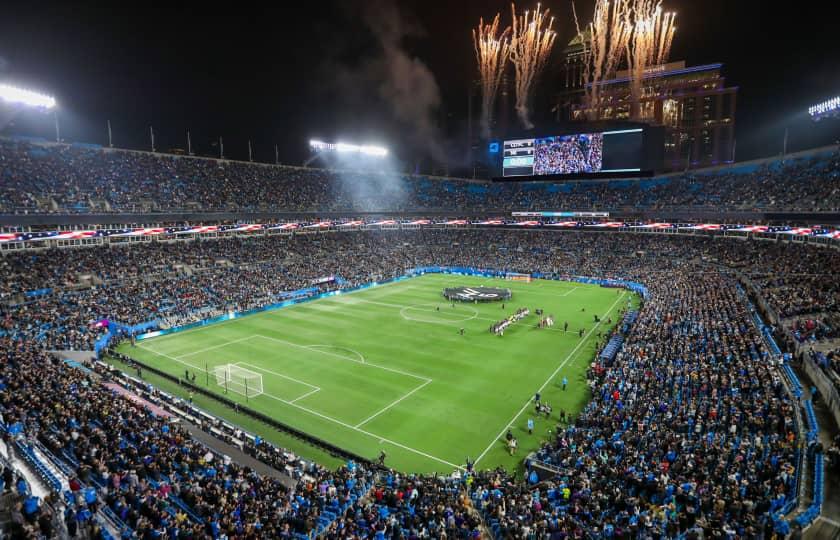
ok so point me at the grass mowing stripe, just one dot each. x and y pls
(369, 434)
(334, 420)
(371, 417)
(479, 379)
(554, 374)
(289, 343)
(225, 344)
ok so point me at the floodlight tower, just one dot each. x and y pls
(320, 149)
(13, 99)
(829, 108)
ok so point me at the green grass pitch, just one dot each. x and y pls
(382, 368)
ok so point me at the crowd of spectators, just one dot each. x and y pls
(570, 154)
(36, 178)
(690, 430)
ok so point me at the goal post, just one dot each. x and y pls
(238, 379)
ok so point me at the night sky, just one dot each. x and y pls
(286, 74)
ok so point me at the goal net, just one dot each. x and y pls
(239, 379)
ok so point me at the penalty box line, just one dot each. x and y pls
(550, 378)
(307, 394)
(329, 418)
(371, 417)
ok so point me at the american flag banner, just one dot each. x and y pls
(384, 222)
(199, 230)
(419, 222)
(319, 225)
(527, 223)
(609, 224)
(656, 226)
(705, 227)
(143, 232)
(798, 231)
(247, 227)
(491, 222)
(66, 235)
(8, 237)
(563, 224)
(457, 222)
(284, 227)
(831, 234)
(754, 228)
(351, 224)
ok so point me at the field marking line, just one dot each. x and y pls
(339, 347)
(305, 395)
(140, 345)
(550, 378)
(214, 347)
(278, 374)
(270, 311)
(291, 344)
(417, 307)
(328, 418)
(368, 433)
(445, 322)
(371, 417)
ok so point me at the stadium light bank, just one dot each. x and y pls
(21, 96)
(344, 148)
(825, 109)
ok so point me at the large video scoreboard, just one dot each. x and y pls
(619, 151)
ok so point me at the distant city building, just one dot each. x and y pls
(693, 104)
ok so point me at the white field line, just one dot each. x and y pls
(271, 311)
(328, 418)
(548, 380)
(305, 395)
(170, 357)
(213, 347)
(369, 434)
(278, 374)
(448, 322)
(348, 359)
(371, 417)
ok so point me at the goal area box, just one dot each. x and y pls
(239, 380)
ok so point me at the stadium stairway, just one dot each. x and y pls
(827, 524)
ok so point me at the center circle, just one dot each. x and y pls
(416, 313)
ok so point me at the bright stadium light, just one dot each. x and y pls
(21, 96)
(826, 108)
(345, 148)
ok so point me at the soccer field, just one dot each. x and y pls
(386, 367)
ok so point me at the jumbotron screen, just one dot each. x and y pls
(581, 153)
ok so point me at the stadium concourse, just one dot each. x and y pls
(697, 427)
(40, 177)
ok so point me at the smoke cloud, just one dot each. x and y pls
(403, 84)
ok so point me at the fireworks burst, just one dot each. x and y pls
(492, 50)
(530, 48)
(649, 45)
(604, 47)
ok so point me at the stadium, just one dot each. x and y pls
(565, 309)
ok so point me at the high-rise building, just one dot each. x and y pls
(693, 104)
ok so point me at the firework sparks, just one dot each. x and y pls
(603, 48)
(492, 50)
(530, 48)
(649, 45)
